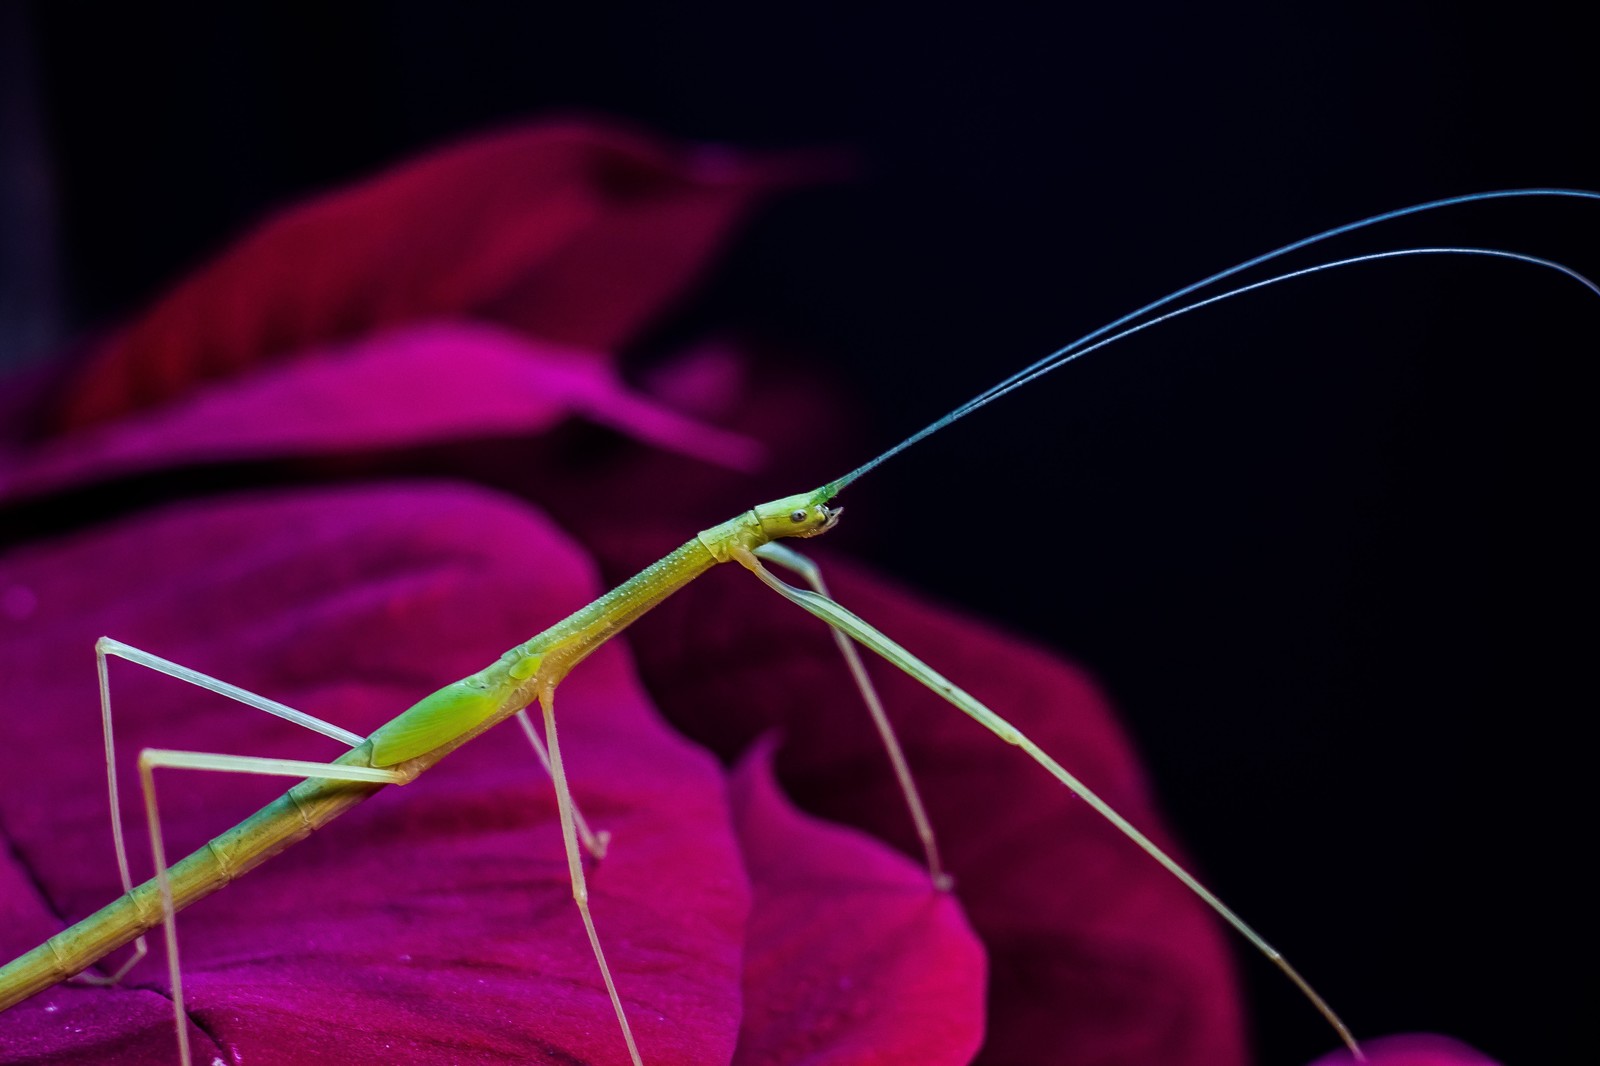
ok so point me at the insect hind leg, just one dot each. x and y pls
(152, 759)
(107, 648)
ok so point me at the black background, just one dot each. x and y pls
(1326, 547)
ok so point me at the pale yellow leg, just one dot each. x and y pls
(580, 887)
(594, 843)
(152, 759)
(812, 575)
(840, 618)
(105, 649)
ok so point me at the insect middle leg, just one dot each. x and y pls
(569, 837)
(595, 843)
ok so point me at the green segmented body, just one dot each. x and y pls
(410, 743)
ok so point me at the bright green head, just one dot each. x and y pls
(805, 514)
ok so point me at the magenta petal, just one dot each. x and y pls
(1412, 1049)
(435, 922)
(574, 233)
(420, 384)
(853, 956)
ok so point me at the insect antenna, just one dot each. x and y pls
(1099, 338)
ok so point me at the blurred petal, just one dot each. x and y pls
(420, 384)
(573, 233)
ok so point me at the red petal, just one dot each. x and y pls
(573, 233)
(853, 956)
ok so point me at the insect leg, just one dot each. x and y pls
(809, 572)
(151, 759)
(841, 619)
(594, 843)
(580, 887)
(105, 648)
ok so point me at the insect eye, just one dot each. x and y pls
(798, 516)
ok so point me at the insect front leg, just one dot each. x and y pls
(841, 619)
(811, 574)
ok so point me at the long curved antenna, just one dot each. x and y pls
(1042, 368)
(1080, 347)
(1056, 358)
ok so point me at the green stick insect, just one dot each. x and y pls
(414, 741)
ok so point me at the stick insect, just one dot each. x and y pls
(417, 739)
